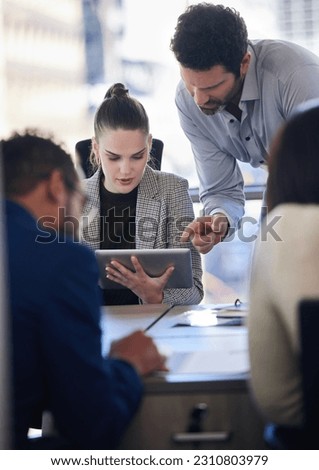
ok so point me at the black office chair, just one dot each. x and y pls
(307, 437)
(83, 150)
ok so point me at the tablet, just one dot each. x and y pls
(154, 263)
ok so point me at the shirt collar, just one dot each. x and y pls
(250, 88)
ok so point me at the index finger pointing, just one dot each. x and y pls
(190, 231)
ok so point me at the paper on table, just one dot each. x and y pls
(196, 318)
(208, 317)
(214, 354)
(209, 362)
(118, 321)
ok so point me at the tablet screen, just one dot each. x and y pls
(154, 263)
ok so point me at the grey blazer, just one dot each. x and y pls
(163, 209)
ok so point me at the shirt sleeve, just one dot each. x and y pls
(92, 398)
(220, 178)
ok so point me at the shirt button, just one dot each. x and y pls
(232, 120)
(247, 138)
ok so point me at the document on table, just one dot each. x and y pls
(121, 320)
(209, 317)
(196, 339)
(212, 352)
(199, 322)
(208, 362)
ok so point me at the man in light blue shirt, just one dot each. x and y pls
(233, 97)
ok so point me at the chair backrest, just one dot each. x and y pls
(156, 154)
(309, 332)
(83, 150)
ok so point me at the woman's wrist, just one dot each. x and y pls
(154, 298)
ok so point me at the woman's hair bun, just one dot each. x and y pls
(118, 90)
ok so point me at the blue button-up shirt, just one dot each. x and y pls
(281, 75)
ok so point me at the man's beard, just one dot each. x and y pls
(233, 97)
(212, 111)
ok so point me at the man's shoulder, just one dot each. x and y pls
(69, 248)
(276, 53)
(70, 263)
(63, 249)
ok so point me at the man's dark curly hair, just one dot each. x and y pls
(207, 35)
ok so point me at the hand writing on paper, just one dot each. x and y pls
(139, 350)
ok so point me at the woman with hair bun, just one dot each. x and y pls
(130, 205)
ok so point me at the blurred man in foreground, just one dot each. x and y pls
(54, 309)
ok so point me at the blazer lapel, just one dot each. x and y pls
(148, 211)
(91, 212)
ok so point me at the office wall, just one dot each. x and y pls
(42, 68)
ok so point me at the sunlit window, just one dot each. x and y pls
(58, 58)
